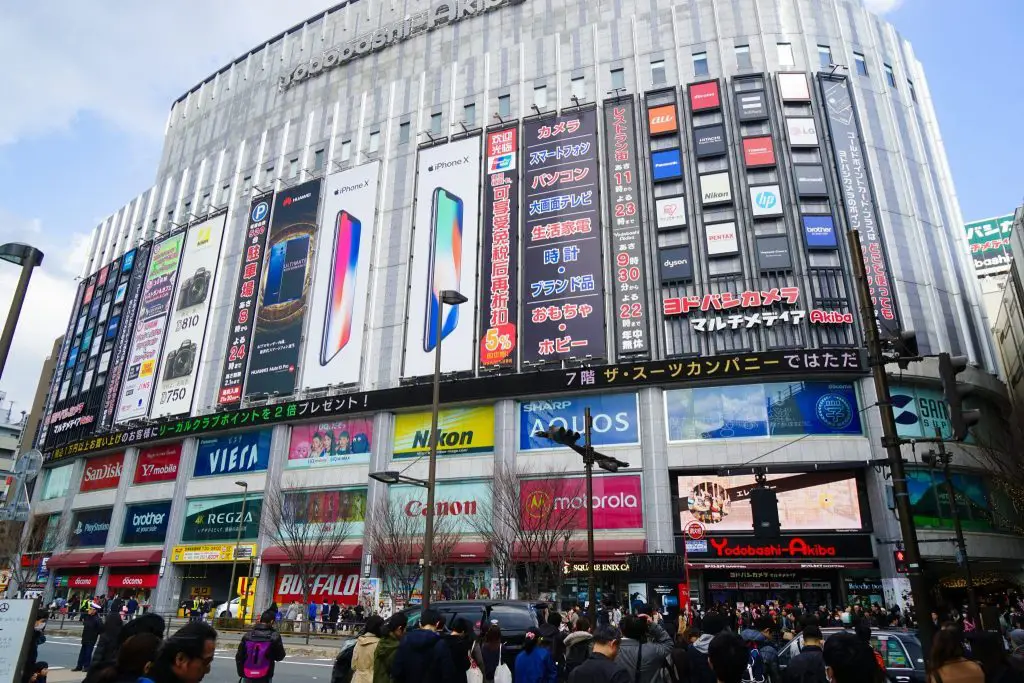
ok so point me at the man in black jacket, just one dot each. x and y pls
(91, 628)
(259, 650)
(423, 656)
(808, 666)
(700, 670)
(600, 667)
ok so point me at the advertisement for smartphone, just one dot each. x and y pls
(337, 314)
(140, 375)
(444, 257)
(284, 295)
(190, 312)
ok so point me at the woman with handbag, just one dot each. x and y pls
(487, 652)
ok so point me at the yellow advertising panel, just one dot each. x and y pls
(213, 553)
(463, 431)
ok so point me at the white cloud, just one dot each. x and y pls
(882, 6)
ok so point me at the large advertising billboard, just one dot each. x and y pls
(247, 290)
(336, 586)
(325, 444)
(499, 296)
(627, 237)
(102, 472)
(234, 454)
(190, 313)
(614, 419)
(157, 464)
(58, 374)
(146, 523)
(444, 256)
(563, 282)
(460, 431)
(618, 502)
(464, 502)
(219, 519)
(990, 244)
(337, 314)
(343, 509)
(807, 502)
(140, 374)
(284, 296)
(858, 199)
(89, 528)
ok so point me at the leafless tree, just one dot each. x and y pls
(395, 539)
(311, 528)
(23, 545)
(1001, 452)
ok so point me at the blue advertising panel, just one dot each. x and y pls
(666, 164)
(146, 523)
(89, 530)
(238, 453)
(820, 232)
(614, 417)
(761, 410)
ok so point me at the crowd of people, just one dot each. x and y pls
(77, 606)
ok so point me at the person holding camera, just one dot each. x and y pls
(644, 648)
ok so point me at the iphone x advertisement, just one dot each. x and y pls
(444, 258)
(341, 286)
(284, 292)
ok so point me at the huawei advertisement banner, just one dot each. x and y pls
(324, 444)
(563, 283)
(671, 212)
(859, 200)
(618, 502)
(101, 473)
(460, 431)
(247, 288)
(284, 296)
(614, 419)
(337, 315)
(157, 464)
(219, 519)
(235, 454)
(826, 502)
(444, 256)
(186, 330)
(157, 293)
(627, 239)
(499, 296)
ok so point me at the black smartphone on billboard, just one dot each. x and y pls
(445, 268)
(293, 278)
(275, 269)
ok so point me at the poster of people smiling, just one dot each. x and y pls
(325, 444)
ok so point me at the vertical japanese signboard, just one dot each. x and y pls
(140, 375)
(499, 299)
(858, 199)
(990, 244)
(59, 370)
(284, 297)
(563, 285)
(627, 248)
(244, 311)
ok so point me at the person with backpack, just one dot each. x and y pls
(260, 648)
(387, 648)
(728, 658)
(644, 649)
(808, 666)
(578, 646)
(700, 668)
(763, 662)
(600, 666)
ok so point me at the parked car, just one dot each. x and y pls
(901, 651)
(222, 609)
(514, 618)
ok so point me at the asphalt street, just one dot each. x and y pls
(61, 653)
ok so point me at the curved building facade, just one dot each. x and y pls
(648, 207)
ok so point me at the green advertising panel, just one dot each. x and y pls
(218, 519)
(990, 244)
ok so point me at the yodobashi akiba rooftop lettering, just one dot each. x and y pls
(440, 13)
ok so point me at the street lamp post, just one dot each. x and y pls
(28, 258)
(238, 542)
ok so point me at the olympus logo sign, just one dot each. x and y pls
(441, 13)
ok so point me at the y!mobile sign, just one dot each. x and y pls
(859, 199)
(140, 377)
(334, 340)
(618, 502)
(499, 298)
(156, 464)
(176, 383)
(562, 277)
(627, 239)
(244, 311)
(444, 257)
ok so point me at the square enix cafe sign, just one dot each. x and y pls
(440, 13)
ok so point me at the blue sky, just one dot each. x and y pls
(81, 130)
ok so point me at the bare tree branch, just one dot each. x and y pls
(23, 545)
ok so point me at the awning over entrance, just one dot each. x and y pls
(129, 558)
(80, 558)
(346, 554)
(604, 549)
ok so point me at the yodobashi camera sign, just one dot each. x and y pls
(613, 417)
(189, 314)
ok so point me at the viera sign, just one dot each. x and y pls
(439, 14)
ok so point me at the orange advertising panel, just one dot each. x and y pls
(662, 120)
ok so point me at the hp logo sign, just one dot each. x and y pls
(765, 200)
(260, 211)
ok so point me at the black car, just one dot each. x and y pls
(514, 618)
(901, 651)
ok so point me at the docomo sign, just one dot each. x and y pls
(341, 586)
(132, 580)
(158, 464)
(82, 581)
(618, 502)
(102, 473)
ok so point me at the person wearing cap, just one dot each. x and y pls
(91, 629)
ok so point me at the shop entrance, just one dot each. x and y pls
(208, 582)
(739, 589)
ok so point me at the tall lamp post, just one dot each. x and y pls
(238, 542)
(28, 258)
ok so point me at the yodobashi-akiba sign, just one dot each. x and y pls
(844, 546)
(745, 310)
(440, 14)
(158, 464)
(340, 586)
(103, 472)
(618, 502)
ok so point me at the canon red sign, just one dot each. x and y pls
(158, 464)
(102, 473)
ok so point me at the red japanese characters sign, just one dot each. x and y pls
(499, 299)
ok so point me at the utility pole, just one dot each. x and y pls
(891, 442)
(588, 461)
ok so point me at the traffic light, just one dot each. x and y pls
(900, 558)
(962, 420)
(906, 346)
(559, 435)
(764, 507)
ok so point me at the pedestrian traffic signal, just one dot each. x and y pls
(961, 420)
(899, 557)
(560, 435)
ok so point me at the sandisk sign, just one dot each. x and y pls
(102, 473)
(341, 587)
(158, 464)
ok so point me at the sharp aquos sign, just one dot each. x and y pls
(102, 473)
(618, 502)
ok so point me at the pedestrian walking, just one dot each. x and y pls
(259, 650)
(535, 664)
(311, 612)
(325, 616)
(133, 607)
(487, 652)
(809, 665)
(365, 649)
(185, 657)
(423, 656)
(387, 648)
(848, 659)
(335, 614)
(109, 638)
(728, 655)
(600, 666)
(91, 629)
